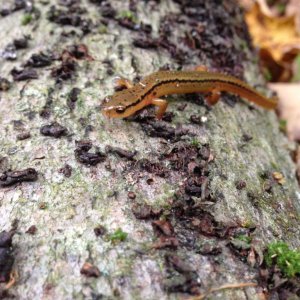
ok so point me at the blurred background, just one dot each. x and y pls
(274, 26)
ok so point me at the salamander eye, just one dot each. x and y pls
(120, 109)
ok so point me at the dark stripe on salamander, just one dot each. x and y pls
(190, 81)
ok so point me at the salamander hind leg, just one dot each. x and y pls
(201, 68)
(121, 82)
(213, 97)
(162, 106)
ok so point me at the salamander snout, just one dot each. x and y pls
(111, 109)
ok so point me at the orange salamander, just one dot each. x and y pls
(148, 91)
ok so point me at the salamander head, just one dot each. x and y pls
(121, 104)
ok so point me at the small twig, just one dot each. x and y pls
(13, 276)
(224, 287)
(23, 89)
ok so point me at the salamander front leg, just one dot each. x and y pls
(162, 106)
(121, 82)
(213, 97)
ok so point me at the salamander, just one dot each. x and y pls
(148, 91)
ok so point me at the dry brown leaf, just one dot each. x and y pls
(276, 35)
(246, 4)
(289, 107)
(275, 72)
(293, 9)
(265, 9)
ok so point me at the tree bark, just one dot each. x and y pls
(183, 189)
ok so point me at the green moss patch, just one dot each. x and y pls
(286, 259)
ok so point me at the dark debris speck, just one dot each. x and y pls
(12, 177)
(6, 255)
(54, 129)
(145, 42)
(85, 157)
(15, 6)
(168, 116)
(160, 129)
(73, 97)
(131, 195)
(73, 15)
(99, 230)
(21, 43)
(90, 270)
(39, 60)
(23, 136)
(66, 170)
(32, 230)
(107, 11)
(79, 51)
(145, 211)
(66, 69)
(166, 242)
(4, 84)
(130, 155)
(153, 167)
(246, 138)
(23, 74)
(241, 184)
(163, 227)
(46, 110)
(196, 119)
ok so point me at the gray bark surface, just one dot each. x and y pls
(65, 210)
